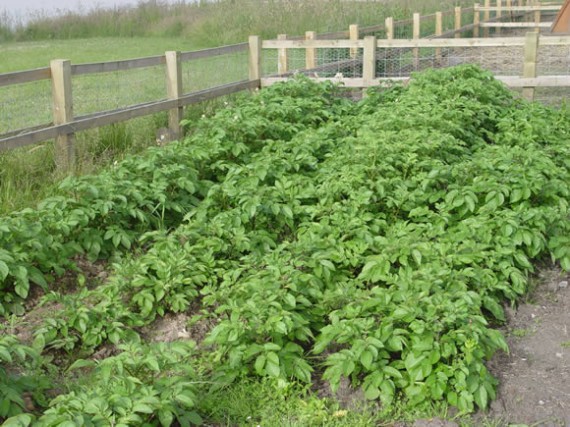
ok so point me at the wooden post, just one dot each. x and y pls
(476, 20)
(486, 17)
(509, 11)
(499, 15)
(530, 57)
(283, 60)
(354, 34)
(174, 91)
(254, 57)
(537, 16)
(438, 33)
(457, 22)
(62, 109)
(416, 31)
(390, 28)
(369, 61)
(311, 52)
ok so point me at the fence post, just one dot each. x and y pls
(310, 52)
(283, 61)
(486, 17)
(499, 15)
(476, 20)
(438, 33)
(354, 34)
(390, 28)
(457, 25)
(537, 16)
(254, 58)
(416, 31)
(62, 110)
(369, 61)
(174, 91)
(530, 56)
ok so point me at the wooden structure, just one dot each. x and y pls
(561, 24)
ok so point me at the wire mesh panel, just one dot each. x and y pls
(401, 62)
(109, 91)
(552, 96)
(427, 25)
(322, 62)
(25, 105)
(204, 73)
(553, 61)
(404, 29)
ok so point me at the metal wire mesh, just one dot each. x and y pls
(401, 62)
(109, 91)
(25, 105)
(553, 61)
(326, 62)
(205, 73)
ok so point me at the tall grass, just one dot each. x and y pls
(220, 22)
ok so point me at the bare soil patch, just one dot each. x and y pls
(534, 378)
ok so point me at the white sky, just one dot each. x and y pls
(24, 8)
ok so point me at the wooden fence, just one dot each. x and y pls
(418, 32)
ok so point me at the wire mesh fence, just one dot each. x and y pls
(25, 105)
(113, 90)
(205, 73)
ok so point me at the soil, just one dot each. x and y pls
(534, 377)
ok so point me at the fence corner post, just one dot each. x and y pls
(530, 58)
(255, 58)
(174, 92)
(62, 110)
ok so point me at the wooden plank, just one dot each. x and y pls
(310, 52)
(217, 51)
(511, 81)
(106, 67)
(303, 44)
(110, 117)
(174, 91)
(282, 58)
(537, 17)
(515, 25)
(62, 108)
(520, 8)
(481, 42)
(255, 57)
(499, 16)
(369, 60)
(554, 40)
(530, 56)
(18, 77)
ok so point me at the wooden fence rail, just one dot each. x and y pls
(64, 124)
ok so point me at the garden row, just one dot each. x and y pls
(322, 238)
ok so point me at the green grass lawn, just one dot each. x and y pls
(36, 54)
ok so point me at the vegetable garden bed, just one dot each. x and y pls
(317, 237)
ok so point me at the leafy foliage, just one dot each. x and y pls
(373, 241)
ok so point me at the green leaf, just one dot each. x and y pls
(366, 358)
(481, 398)
(4, 270)
(82, 363)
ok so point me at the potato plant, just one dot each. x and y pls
(375, 241)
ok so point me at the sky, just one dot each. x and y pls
(23, 8)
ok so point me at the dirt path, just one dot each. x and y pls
(535, 377)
